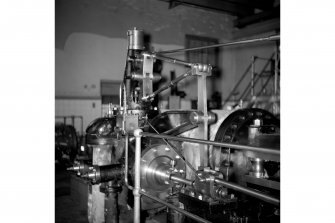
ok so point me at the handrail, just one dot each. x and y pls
(214, 143)
(264, 85)
(256, 79)
(233, 43)
(236, 85)
(258, 76)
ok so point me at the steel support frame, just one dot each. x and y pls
(202, 107)
(137, 167)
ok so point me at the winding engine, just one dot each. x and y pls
(196, 165)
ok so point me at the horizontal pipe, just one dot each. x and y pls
(188, 214)
(248, 191)
(269, 38)
(214, 143)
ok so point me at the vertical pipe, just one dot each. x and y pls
(137, 187)
(112, 208)
(120, 95)
(126, 162)
(124, 107)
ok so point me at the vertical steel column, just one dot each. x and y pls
(137, 186)
(202, 106)
(203, 127)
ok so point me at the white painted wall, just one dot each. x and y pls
(89, 109)
(91, 46)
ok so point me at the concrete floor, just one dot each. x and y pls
(69, 209)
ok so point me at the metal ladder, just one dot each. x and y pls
(252, 98)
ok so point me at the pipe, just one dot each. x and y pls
(99, 174)
(214, 143)
(188, 214)
(112, 207)
(126, 162)
(181, 77)
(269, 38)
(124, 107)
(137, 187)
(120, 95)
(248, 191)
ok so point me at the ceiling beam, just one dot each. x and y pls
(258, 28)
(173, 4)
(262, 16)
(218, 5)
(259, 4)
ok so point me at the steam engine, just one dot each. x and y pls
(195, 165)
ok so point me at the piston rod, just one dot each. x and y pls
(214, 143)
(181, 180)
(193, 216)
(172, 60)
(269, 38)
(173, 82)
(248, 191)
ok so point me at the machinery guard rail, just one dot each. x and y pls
(214, 143)
(138, 133)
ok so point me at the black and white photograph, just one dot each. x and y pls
(167, 111)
